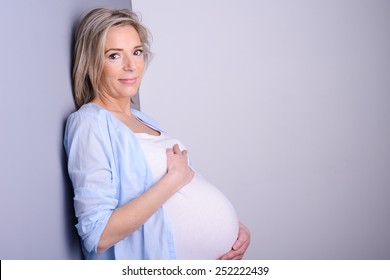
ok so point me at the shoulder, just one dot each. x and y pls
(88, 121)
(89, 116)
(88, 111)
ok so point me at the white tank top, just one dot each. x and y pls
(204, 222)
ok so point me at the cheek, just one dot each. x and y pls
(141, 64)
(109, 74)
(109, 70)
(106, 77)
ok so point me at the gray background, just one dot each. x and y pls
(285, 106)
(36, 208)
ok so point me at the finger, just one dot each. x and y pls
(232, 255)
(238, 244)
(169, 151)
(243, 237)
(237, 257)
(176, 149)
(229, 255)
(241, 242)
(225, 257)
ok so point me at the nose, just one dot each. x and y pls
(129, 64)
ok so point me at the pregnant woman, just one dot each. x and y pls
(135, 195)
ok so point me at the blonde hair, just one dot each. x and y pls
(89, 46)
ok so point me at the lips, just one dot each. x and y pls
(128, 81)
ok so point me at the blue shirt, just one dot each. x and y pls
(107, 168)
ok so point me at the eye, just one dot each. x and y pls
(138, 52)
(114, 56)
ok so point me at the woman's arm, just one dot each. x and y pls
(127, 218)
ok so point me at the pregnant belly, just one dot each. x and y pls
(204, 222)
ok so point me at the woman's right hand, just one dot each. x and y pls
(178, 169)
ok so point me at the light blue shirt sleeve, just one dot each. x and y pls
(89, 165)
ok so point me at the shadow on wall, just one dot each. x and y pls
(70, 220)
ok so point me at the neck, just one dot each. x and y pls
(119, 106)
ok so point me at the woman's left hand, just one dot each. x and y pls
(239, 247)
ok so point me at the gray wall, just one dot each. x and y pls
(36, 211)
(285, 106)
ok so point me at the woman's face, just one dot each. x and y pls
(123, 63)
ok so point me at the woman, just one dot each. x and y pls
(135, 195)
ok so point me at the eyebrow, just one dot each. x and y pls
(118, 49)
